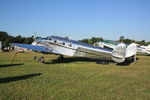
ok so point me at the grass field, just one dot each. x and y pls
(23, 78)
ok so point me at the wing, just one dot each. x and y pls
(33, 47)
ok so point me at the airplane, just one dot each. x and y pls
(131, 50)
(65, 46)
(143, 49)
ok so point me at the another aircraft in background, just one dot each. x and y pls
(143, 49)
(131, 50)
(65, 46)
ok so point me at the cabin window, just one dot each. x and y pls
(50, 38)
(63, 43)
(70, 45)
(55, 41)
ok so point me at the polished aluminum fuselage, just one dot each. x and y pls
(65, 46)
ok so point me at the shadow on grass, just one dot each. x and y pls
(75, 59)
(72, 59)
(16, 78)
(10, 65)
(105, 62)
(145, 54)
(127, 62)
(148, 55)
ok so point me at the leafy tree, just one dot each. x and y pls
(121, 38)
(128, 41)
(92, 40)
(84, 40)
(6, 42)
(29, 40)
(6, 39)
(3, 35)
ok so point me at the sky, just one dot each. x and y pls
(77, 19)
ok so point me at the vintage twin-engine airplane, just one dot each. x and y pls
(131, 50)
(65, 46)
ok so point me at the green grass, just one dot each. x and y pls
(76, 80)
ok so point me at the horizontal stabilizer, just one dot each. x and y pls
(32, 47)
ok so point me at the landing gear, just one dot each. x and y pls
(60, 58)
(134, 58)
(35, 57)
(102, 62)
(106, 62)
(40, 59)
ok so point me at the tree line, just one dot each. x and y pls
(92, 40)
(121, 39)
(128, 41)
(7, 39)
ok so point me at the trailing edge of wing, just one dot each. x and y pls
(32, 47)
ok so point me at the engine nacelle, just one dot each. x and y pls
(119, 53)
